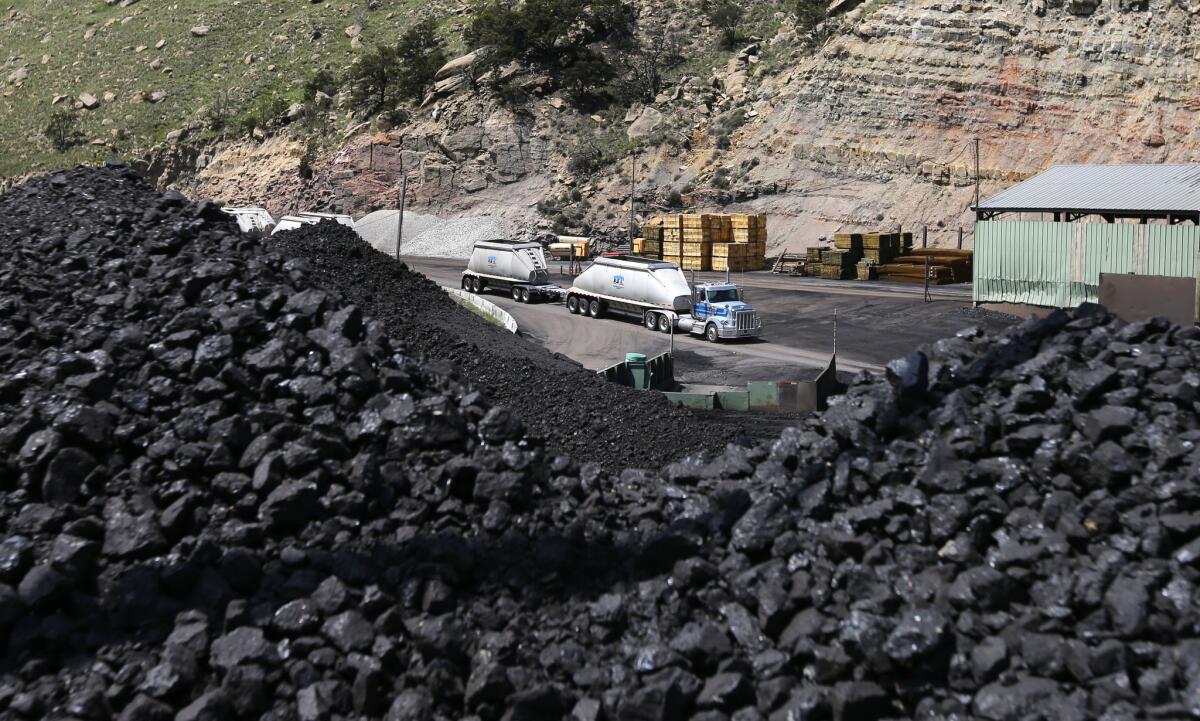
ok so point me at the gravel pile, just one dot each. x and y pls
(428, 235)
(570, 408)
(379, 228)
(228, 494)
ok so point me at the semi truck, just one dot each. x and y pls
(518, 269)
(658, 294)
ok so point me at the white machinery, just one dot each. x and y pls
(658, 294)
(291, 222)
(517, 268)
(252, 220)
(345, 220)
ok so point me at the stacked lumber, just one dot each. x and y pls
(946, 265)
(708, 241)
(794, 263)
(837, 263)
(651, 242)
(737, 257)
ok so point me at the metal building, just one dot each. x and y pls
(1048, 240)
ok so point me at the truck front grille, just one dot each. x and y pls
(746, 320)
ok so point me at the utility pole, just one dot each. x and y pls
(927, 298)
(400, 218)
(632, 192)
(976, 174)
(835, 332)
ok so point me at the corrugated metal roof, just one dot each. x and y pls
(1110, 188)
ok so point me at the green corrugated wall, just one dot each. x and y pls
(1059, 264)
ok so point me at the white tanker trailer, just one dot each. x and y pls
(658, 294)
(516, 268)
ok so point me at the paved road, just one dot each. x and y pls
(876, 322)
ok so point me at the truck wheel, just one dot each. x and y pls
(472, 285)
(516, 294)
(594, 308)
(524, 295)
(664, 324)
(466, 283)
(711, 333)
(651, 321)
(573, 304)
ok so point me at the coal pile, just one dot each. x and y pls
(571, 408)
(227, 493)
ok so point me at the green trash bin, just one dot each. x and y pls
(638, 370)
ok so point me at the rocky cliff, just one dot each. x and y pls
(875, 127)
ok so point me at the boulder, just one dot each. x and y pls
(646, 122)
(200, 31)
(461, 63)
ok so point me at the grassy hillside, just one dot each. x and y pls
(73, 47)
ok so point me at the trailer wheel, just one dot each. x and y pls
(573, 304)
(472, 285)
(664, 324)
(516, 294)
(466, 283)
(524, 295)
(651, 321)
(594, 308)
(710, 333)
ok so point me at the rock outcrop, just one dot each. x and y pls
(875, 127)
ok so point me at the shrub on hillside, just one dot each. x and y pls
(554, 36)
(387, 74)
(725, 16)
(322, 81)
(63, 131)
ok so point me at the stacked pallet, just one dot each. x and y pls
(866, 269)
(708, 241)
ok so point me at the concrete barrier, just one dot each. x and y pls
(484, 306)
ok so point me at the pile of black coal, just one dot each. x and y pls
(228, 494)
(573, 410)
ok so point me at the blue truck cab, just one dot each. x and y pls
(719, 311)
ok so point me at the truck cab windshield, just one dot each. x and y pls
(721, 296)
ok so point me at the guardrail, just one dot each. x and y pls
(486, 307)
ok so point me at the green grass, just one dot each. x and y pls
(477, 311)
(277, 33)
